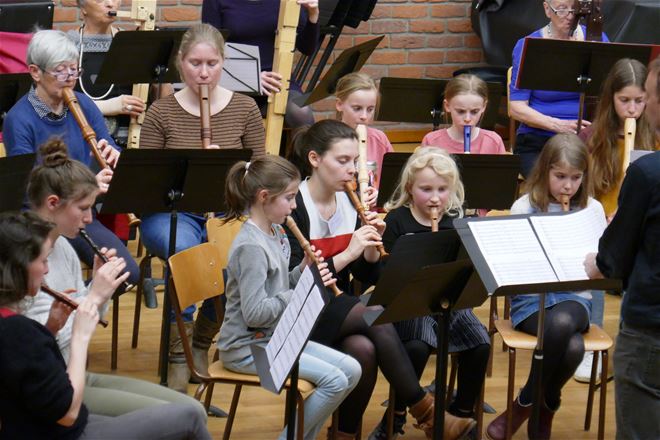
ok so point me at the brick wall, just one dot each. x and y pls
(423, 38)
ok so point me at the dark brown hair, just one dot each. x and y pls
(246, 179)
(22, 235)
(607, 169)
(57, 174)
(319, 138)
(560, 150)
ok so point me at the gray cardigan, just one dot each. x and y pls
(259, 287)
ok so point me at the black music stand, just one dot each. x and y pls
(490, 180)
(150, 181)
(350, 60)
(436, 290)
(263, 365)
(396, 94)
(12, 87)
(491, 285)
(14, 175)
(25, 18)
(149, 58)
(584, 65)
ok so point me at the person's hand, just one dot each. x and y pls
(108, 277)
(371, 196)
(58, 315)
(86, 319)
(103, 179)
(110, 254)
(271, 82)
(306, 261)
(326, 275)
(373, 219)
(590, 266)
(213, 147)
(567, 126)
(108, 153)
(131, 105)
(312, 7)
(362, 238)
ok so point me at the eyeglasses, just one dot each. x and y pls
(560, 12)
(64, 75)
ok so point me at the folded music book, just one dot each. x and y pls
(538, 251)
(275, 359)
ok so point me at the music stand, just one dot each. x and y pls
(435, 290)
(241, 69)
(151, 181)
(12, 87)
(26, 18)
(350, 60)
(396, 94)
(584, 65)
(150, 56)
(490, 180)
(14, 175)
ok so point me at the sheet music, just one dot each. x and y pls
(241, 69)
(512, 251)
(294, 327)
(567, 239)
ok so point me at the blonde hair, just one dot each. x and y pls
(562, 149)
(353, 82)
(464, 84)
(443, 165)
(200, 33)
(246, 179)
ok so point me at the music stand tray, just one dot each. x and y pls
(396, 94)
(490, 180)
(24, 18)
(350, 60)
(14, 175)
(149, 57)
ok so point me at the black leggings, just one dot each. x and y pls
(563, 349)
(373, 347)
(472, 365)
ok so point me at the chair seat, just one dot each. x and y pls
(219, 372)
(597, 340)
(594, 340)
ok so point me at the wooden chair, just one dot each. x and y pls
(196, 276)
(595, 340)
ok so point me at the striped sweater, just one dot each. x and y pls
(238, 125)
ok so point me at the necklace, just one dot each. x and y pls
(80, 57)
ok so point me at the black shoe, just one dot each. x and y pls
(149, 293)
(380, 433)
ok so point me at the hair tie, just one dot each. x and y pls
(247, 167)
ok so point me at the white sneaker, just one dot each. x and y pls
(583, 372)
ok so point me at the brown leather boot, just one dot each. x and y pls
(177, 368)
(497, 428)
(545, 423)
(455, 427)
(204, 331)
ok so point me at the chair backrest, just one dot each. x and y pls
(221, 235)
(197, 274)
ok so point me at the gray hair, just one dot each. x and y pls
(50, 48)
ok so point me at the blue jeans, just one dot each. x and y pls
(104, 237)
(597, 307)
(335, 374)
(190, 231)
(637, 383)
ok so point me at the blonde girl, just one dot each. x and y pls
(466, 97)
(430, 179)
(357, 96)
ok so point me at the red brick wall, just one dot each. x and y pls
(423, 38)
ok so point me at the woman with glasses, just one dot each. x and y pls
(41, 114)
(543, 113)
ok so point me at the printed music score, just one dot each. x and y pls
(540, 249)
(294, 327)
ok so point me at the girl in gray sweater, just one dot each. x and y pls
(259, 285)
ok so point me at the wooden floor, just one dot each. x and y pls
(260, 412)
